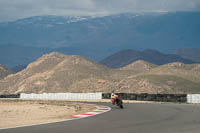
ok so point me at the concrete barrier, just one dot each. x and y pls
(189, 98)
(193, 98)
(150, 97)
(62, 96)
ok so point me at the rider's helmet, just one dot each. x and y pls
(112, 94)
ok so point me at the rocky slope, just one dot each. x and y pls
(139, 66)
(4, 72)
(174, 77)
(57, 72)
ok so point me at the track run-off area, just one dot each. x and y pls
(134, 118)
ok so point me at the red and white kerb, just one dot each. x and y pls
(99, 110)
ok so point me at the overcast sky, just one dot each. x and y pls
(14, 9)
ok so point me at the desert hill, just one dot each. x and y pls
(131, 69)
(56, 72)
(139, 66)
(4, 72)
(178, 69)
(196, 68)
(171, 78)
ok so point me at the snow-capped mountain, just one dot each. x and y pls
(42, 20)
(99, 36)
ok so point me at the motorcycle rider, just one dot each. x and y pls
(114, 98)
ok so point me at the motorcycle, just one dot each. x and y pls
(115, 99)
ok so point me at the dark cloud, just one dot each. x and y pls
(13, 9)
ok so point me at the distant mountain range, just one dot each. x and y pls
(125, 57)
(99, 37)
(56, 72)
(17, 57)
(189, 53)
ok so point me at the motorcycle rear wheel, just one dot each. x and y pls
(120, 104)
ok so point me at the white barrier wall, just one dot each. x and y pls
(193, 98)
(62, 96)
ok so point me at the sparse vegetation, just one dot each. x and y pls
(57, 72)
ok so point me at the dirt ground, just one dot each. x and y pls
(19, 113)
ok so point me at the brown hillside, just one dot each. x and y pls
(57, 72)
(139, 66)
(132, 84)
(170, 78)
(173, 78)
(177, 69)
(54, 72)
(196, 68)
(134, 68)
(4, 72)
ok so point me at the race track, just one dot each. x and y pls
(134, 118)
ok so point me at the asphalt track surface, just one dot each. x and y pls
(134, 118)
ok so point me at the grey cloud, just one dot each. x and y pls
(148, 5)
(13, 9)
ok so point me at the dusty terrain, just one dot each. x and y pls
(19, 113)
(4, 72)
(59, 73)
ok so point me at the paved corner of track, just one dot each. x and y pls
(139, 118)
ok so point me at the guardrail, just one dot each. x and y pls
(181, 98)
(150, 97)
(10, 96)
(193, 98)
(63, 96)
